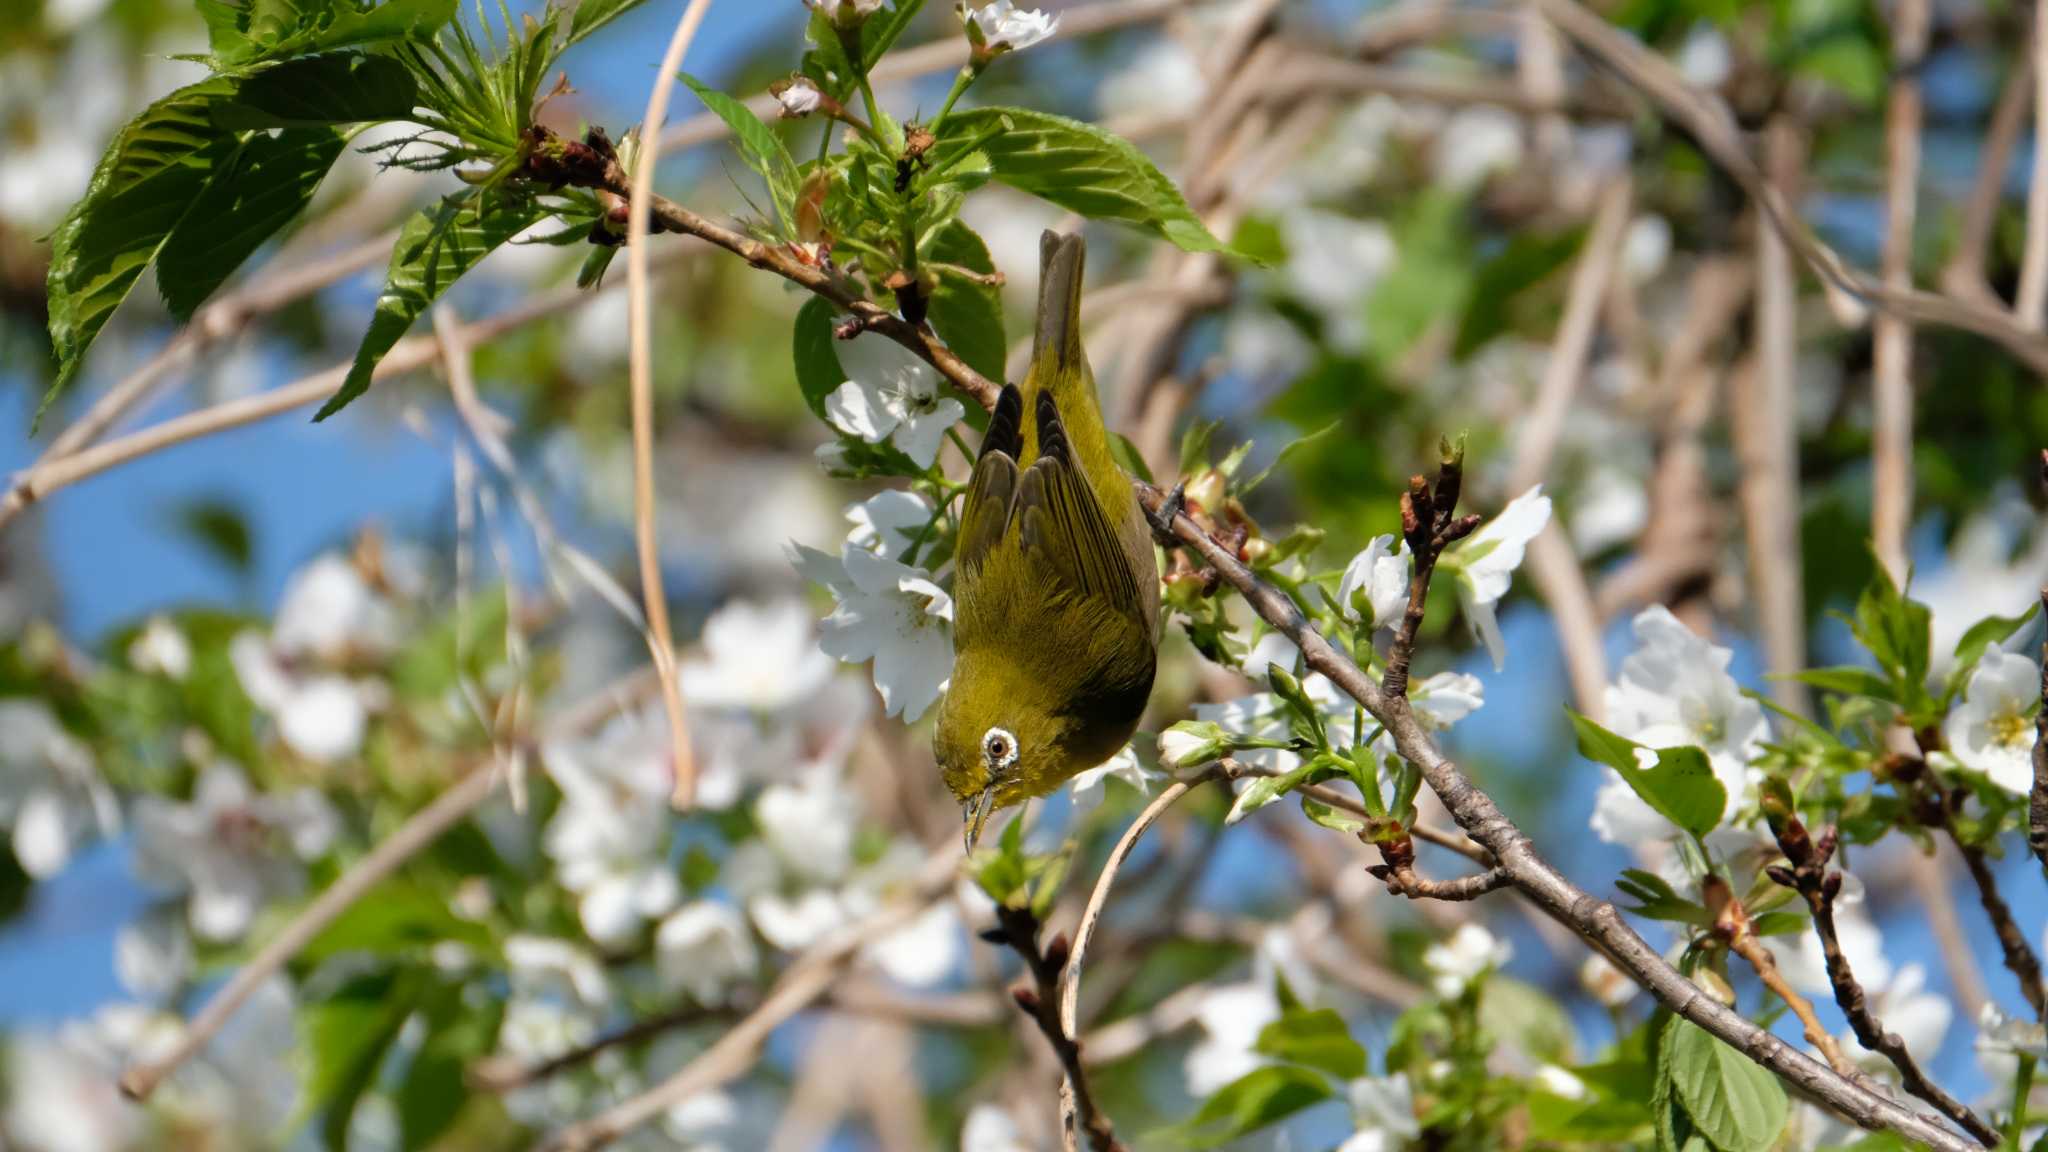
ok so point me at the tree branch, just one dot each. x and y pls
(1810, 877)
(1018, 930)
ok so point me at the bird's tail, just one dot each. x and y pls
(1056, 345)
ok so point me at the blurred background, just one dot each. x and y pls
(231, 665)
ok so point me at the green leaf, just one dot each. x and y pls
(397, 920)
(818, 373)
(1658, 900)
(1320, 1039)
(1081, 168)
(272, 30)
(1895, 631)
(591, 15)
(1681, 787)
(1529, 259)
(1735, 1105)
(434, 1089)
(1127, 456)
(1848, 680)
(1289, 449)
(880, 32)
(152, 173)
(349, 1034)
(1981, 635)
(966, 314)
(435, 248)
(264, 187)
(1252, 1102)
(337, 88)
(758, 145)
(1331, 818)
(1431, 277)
(220, 529)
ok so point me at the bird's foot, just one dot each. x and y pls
(1168, 511)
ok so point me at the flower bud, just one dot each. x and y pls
(1206, 492)
(797, 96)
(1191, 743)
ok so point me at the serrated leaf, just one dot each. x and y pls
(1681, 786)
(1895, 630)
(1081, 168)
(1735, 1105)
(591, 15)
(271, 30)
(152, 172)
(264, 187)
(1251, 1102)
(1319, 1039)
(336, 88)
(757, 143)
(434, 249)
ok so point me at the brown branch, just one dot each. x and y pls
(500, 1074)
(1735, 929)
(1708, 120)
(1809, 875)
(2037, 796)
(2019, 955)
(1892, 372)
(1965, 276)
(1018, 930)
(1594, 919)
(2033, 288)
(1403, 880)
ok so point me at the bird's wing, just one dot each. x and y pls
(990, 491)
(1066, 535)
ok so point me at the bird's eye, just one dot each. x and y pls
(999, 748)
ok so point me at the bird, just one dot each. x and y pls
(1056, 584)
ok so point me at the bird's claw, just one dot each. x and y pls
(1168, 511)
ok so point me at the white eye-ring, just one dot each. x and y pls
(999, 748)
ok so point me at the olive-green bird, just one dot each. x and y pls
(1056, 589)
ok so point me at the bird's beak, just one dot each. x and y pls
(976, 813)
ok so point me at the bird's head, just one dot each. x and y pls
(992, 753)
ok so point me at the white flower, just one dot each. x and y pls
(1191, 743)
(1674, 690)
(543, 967)
(1800, 957)
(2002, 1039)
(1333, 263)
(329, 610)
(1605, 983)
(703, 948)
(757, 658)
(846, 11)
(795, 923)
(990, 1129)
(610, 837)
(62, 1096)
(891, 396)
(924, 952)
(1470, 953)
(1382, 1114)
(1560, 1082)
(1001, 26)
(231, 848)
(1164, 79)
(152, 954)
(322, 718)
(51, 793)
(888, 522)
(1919, 1017)
(809, 824)
(1447, 697)
(1231, 1016)
(162, 649)
(889, 613)
(799, 99)
(1091, 786)
(1476, 143)
(1992, 729)
(1485, 560)
(1704, 58)
(1374, 587)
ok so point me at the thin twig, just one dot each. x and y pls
(1810, 876)
(1965, 275)
(1018, 929)
(2033, 291)
(640, 367)
(1735, 929)
(1764, 415)
(419, 831)
(1709, 121)
(1892, 371)
(806, 981)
